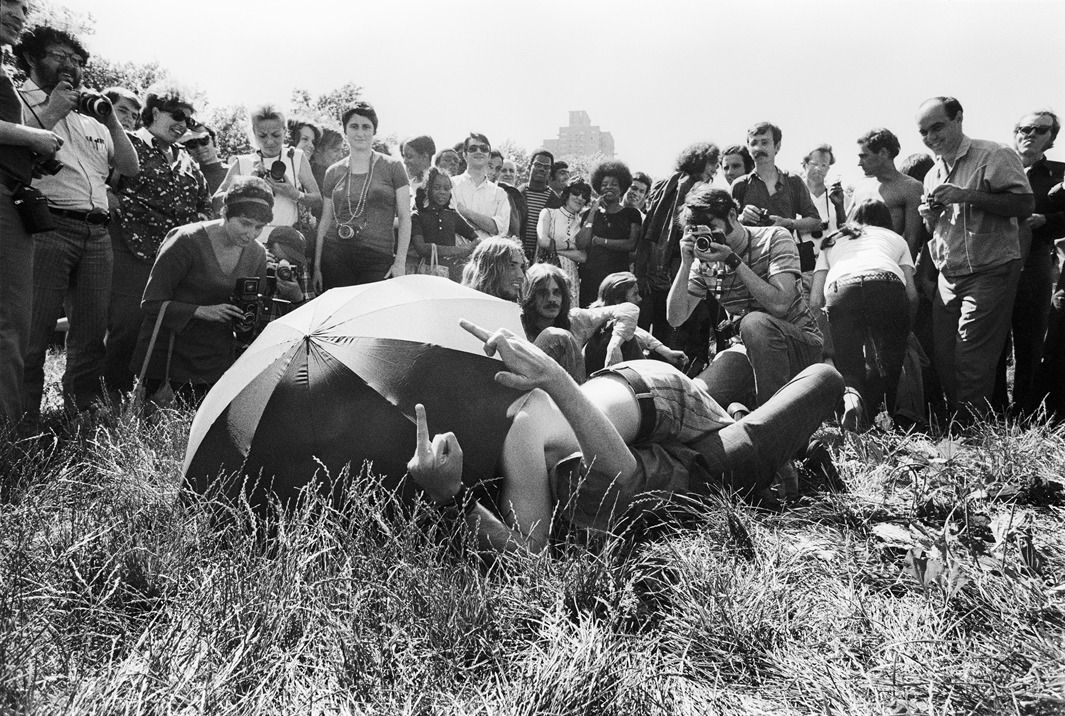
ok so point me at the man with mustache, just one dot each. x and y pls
(771, 196)
(73, 262)
(975, 195)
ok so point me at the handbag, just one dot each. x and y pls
(163, 397)
(550, 256)
(433, 267)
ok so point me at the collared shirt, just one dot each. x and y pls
(965, 238)
(1044, 175)
(86, 155)
(790, 200)
(170, 191)
(768, 251)
(484, 198)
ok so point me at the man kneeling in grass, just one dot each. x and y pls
(635, 430)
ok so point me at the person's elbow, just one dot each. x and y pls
(677, 310)
(1025, 206)
(128, 166)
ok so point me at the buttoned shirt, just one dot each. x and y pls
(1044, 175)
(86, 155)
(791, 198)
(169, 191)
(965, 238)
(485, 198)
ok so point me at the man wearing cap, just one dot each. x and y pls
(202, 145)
(73, 262)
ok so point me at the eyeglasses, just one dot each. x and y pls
(179, 115)
(1034, 129)
(194, 143)
(478, 148)
(58, 56)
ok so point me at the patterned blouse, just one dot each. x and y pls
(170, 191)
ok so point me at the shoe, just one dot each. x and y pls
(854, 412)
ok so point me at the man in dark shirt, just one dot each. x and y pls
(19, 146)
(1032, 137)
(771, 196)
(202, 144)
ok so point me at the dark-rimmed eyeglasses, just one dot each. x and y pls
(478, 148)
(195, 143)
(1033, 129)
(76, 60)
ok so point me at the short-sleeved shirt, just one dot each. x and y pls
(965, 238)
(86, 155)
(791, 198)
(877, 249)
(374, 227)
(486, 198)
(768, 251)
(439, 225)
(169, 191)
(16, 162)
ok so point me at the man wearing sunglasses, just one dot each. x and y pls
(479, 200)
(975, 195)
(1032, 137)
(72, 262)
(202, 145)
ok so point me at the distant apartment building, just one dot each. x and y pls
(581, 138)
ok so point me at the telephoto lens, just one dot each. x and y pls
(94, 104)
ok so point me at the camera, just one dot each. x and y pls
(32, 208)
(703, 242)
(820, 232)
(287, 272)
(931, 203)
(46, 166)
(728, 328)
(246, 298)
(94, 104)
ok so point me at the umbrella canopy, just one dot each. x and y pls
(335, 383)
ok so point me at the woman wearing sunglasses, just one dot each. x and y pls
(286, 169)
(169, 191)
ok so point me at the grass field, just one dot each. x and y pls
(934, 585)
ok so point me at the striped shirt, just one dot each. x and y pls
(768, 251)
(535, 201)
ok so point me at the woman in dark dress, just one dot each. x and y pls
(614, 229)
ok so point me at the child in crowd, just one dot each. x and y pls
(435, 222)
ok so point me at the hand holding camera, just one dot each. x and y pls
(704, 243)
(218, 313)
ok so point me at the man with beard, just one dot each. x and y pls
(974, 196)
(73, 262)
(877, 150)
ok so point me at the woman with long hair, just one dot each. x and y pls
(368, 192)
(864, 280)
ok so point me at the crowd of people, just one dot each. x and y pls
(117, 211)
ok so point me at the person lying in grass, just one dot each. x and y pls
(637, 430)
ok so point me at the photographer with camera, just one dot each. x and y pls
(213, 274)
(73, 261)
(20, 147)
(754, 274)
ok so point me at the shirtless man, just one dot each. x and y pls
(638, 430)
(877, 150)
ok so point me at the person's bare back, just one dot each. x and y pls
(902, 194)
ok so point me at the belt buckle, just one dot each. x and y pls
(97, 217)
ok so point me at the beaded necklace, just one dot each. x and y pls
(346, 230)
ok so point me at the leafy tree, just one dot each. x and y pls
(326, 108)
(101, 73)
(60, 17)
(231, 123)
(516, 153)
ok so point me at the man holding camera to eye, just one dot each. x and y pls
(73, 261)
(754, 274)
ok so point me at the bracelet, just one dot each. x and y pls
(732, 262)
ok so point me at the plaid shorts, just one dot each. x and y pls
(672, 407)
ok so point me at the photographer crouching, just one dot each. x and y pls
(754, 274)
(215, 288)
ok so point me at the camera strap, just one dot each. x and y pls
(151, 346)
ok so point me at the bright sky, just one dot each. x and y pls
(657, 74)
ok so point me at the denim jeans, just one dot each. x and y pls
(778, 351)
(870, 322)
(16, 301)
(71, 268)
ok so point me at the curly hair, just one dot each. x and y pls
(165, 96)
(694, 159)
(611, 168)
(487, 266)
(881, 138)
(363, 109)
(576, 186)
(296, 125)
(537, 280)
(35, 43)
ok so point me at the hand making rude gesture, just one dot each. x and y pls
(529, 367)
(437, 464)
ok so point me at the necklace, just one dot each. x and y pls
(347, 230)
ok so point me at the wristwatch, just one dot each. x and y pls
(732, 262)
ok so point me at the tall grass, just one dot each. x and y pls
(935, 585)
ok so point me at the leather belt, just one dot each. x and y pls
(865, 277)
(644, 399)
(96, 217)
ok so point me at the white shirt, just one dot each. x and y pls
(485, 198)
(86, 155)
(877, 249)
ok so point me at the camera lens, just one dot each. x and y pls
(94, 104)
(277, 170)
(702, 243)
